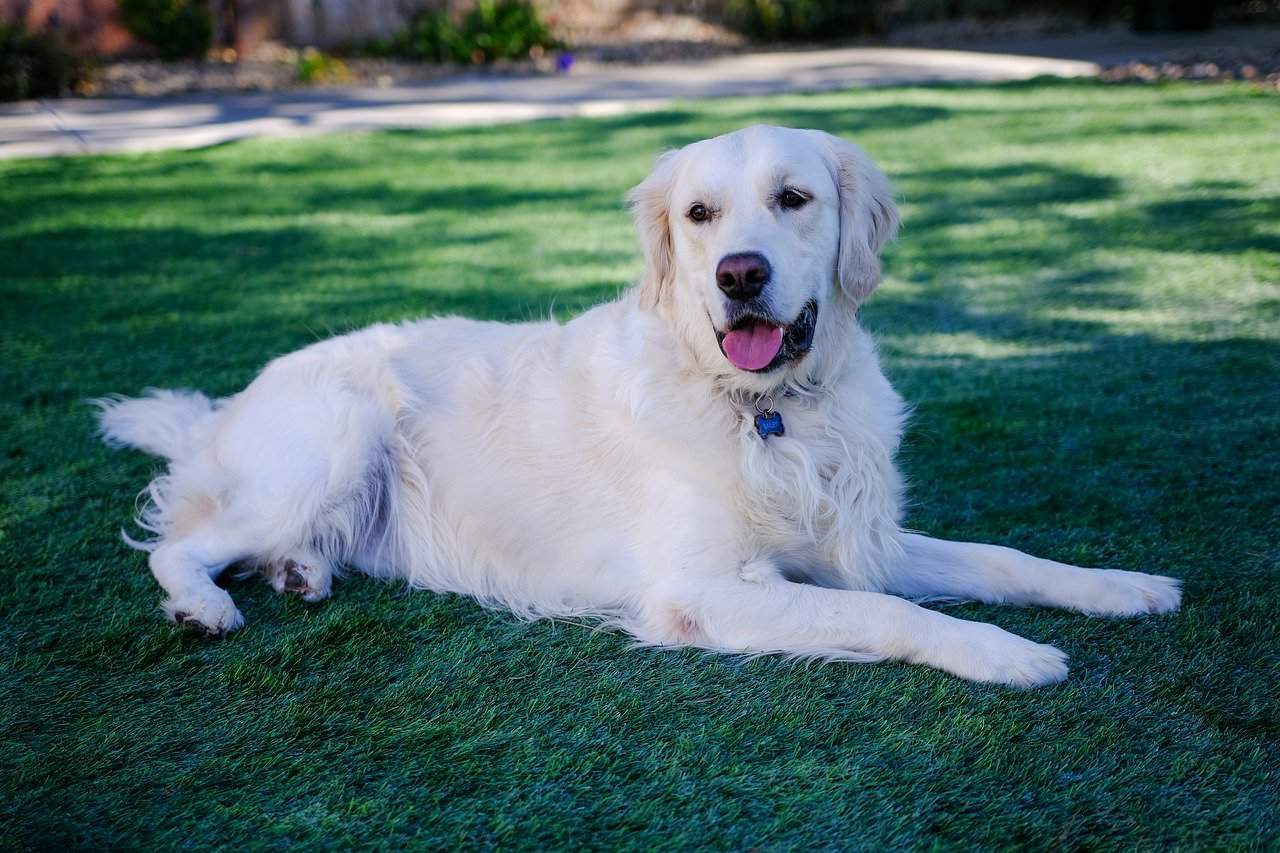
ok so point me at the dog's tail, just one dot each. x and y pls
(161, 423)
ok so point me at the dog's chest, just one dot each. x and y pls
(789, 457)
(825, 487)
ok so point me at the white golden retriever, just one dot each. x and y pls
(708, 461)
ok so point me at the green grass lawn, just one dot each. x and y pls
(1083, 305)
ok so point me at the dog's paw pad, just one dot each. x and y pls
(210, 613)
(195, 626)
(298, 578)
(294, 579)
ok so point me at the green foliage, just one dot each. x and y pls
(177, 29)
(1082, 310)
(432, 36)
(805, 20)
(315, 66)
(34, 65)
(491, 30)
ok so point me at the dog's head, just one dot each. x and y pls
(751, 237)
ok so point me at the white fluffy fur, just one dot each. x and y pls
(609, 466)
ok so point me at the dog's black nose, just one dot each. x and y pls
(744, 275)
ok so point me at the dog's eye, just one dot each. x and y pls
(698, 212)
(791, 199)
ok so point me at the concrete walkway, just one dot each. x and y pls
(88, 126)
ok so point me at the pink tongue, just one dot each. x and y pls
(753, 347)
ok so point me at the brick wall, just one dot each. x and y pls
(89, 27)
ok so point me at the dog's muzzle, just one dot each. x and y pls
(758, 343)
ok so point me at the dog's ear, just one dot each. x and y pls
(868, 217)
(650, 204)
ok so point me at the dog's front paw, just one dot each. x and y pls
(208, 611)
(989, 654)
(1135, 594)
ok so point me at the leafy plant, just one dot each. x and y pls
(177, 29)
(432, 36)
(491, 30)
(34, 65)
(507, 29)
(314, 66)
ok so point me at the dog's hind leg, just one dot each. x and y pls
(291, 476)
(186, 568)
(936, 568)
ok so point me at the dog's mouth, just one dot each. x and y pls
(758, 344)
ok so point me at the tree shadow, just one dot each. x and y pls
(1214, 224)
(970, 192)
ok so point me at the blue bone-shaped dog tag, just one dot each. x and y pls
(770, 423)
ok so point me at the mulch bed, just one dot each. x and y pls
(153, 78)
(1261, 67)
